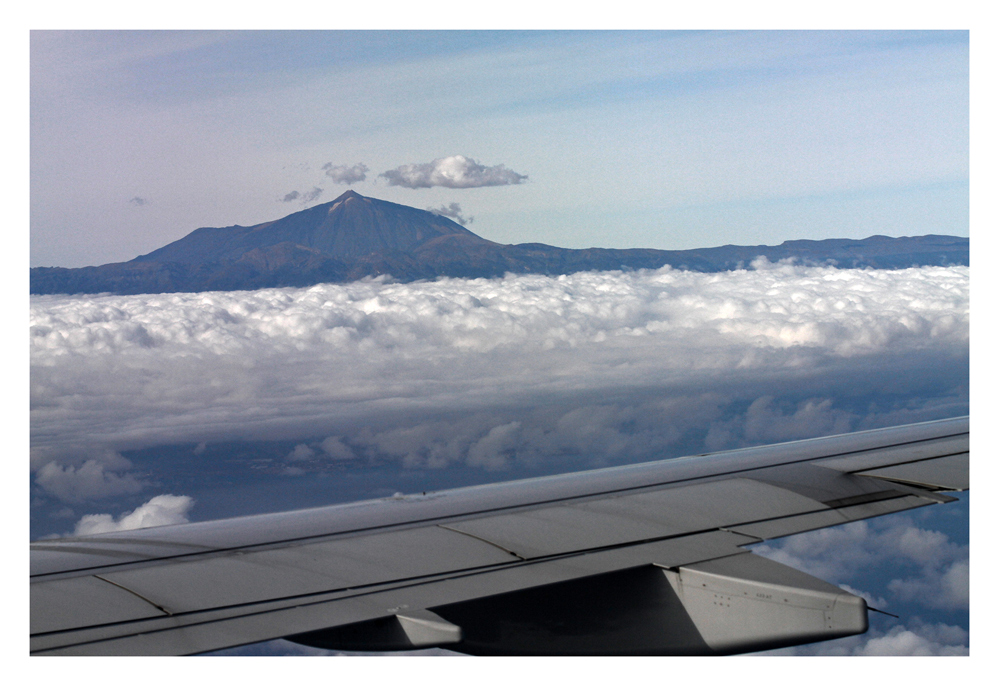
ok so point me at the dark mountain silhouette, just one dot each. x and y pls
(354, 237)
(351, 226)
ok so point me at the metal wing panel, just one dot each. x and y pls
(950, 472)
(784, 527)
(84, 553)
(636, 517)
(255, 576)
(859, 461)
(221, 628)
(67, 603)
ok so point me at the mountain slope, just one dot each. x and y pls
(354, 236)
(347, 227)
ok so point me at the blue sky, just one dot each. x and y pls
(661, 139)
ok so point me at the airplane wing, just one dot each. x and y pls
(639, 559)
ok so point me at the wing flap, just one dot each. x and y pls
(862, 461)
(950, 473)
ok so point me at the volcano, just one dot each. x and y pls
(354, 236)
(352, 226)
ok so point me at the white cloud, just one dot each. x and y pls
(920, 640)
(452, 211)
(335, 448)
(303, 198)
(342, 174)
(311, 195)
(96, 477)
(611, 366)
(944, 587)
(165, 509)
(912, 638)
(936, 569)
(301, 452)
(873, 601)
(816, 417)
(493, 450)
(455, 171)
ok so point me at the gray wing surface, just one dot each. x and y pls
(639, 559)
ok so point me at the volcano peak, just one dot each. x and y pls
(347, 195)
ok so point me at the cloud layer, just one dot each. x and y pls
(455, 171)
(595, 367)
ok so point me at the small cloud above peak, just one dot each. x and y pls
(455, 171)
(342, 174)
(138, 201)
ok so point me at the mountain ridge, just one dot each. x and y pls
(339, 228)
(355, 236)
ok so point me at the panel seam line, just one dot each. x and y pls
(134, 593)
(484, 540)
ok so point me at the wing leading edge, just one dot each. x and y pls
(639, 559)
